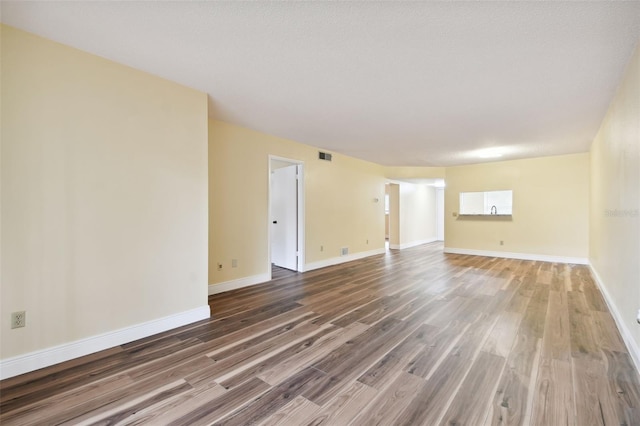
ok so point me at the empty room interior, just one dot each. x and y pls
(305, 213)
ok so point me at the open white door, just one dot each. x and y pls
(284, 217)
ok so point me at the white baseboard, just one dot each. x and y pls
(342, 259)
(632, 346)
(262, 278)
(412, 244)
(46, 357)
(521, 256)
(239, 283)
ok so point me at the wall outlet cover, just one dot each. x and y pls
(18, 319)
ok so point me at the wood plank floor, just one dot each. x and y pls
(407, 338)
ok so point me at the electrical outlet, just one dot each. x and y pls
(501, 242)
(18, 319)
(219, 266)
(367, 241)
(321, 248)
(344, 251)
(234, 263)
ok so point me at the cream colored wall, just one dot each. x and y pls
(339, 201)
(415, 172)
(615, 201)
(550, 206)
(104, 195)
(417, 214)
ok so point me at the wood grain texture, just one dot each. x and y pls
(556, 342)
(344, 407)
(385, 408)
(471, 403)
(553, 399)
(583, 340)
(409, 337)
(296, 412)
(511, 403)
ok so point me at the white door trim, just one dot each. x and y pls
(301, 204)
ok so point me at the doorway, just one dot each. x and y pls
(286, 219)
(440, 214)
(392, 216)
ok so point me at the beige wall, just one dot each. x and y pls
(550, 206)
(339, 201)
(615, 202)
(104, 195)
(414, 172)
(417, 214)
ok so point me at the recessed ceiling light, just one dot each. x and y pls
(490, 153)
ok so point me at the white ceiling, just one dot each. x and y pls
(413, 84)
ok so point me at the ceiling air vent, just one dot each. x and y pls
(324, 156)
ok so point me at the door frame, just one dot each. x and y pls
(300, 212)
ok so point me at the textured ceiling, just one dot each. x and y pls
(397, 83)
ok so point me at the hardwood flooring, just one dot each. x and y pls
(407, 338)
